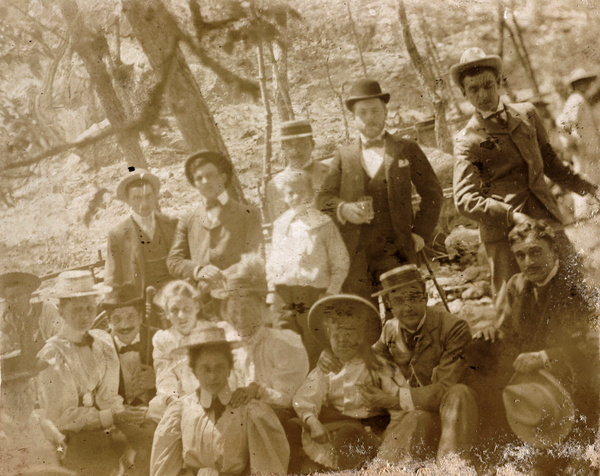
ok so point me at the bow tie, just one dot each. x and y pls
(87, 341)
(374, 143)
(130, 348)
(216, 406)
(499, 117)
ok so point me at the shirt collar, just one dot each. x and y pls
(223, 198)
(487, 114)
(206, 398)
(364, 140)
(551, 274)
(140, 220)
(419, 327)
(120, 343)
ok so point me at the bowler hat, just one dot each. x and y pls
(474, 58)
(344, 305)
(124, 295)
(538, 408)
(295, 129)
(77, 284)
(365, 89)
(135, 175)
(580, 74)
(17, 278)
(211, 335)
(217, 158)
(398, 277)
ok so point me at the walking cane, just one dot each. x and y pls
(150, 293)
(440, 290)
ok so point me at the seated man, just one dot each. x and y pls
(428, 346)
(546, 322)
(206, 432)
(336, 407)
(215, 235)
(78, 389)
(138, 246)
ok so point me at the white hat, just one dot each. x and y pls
(78, 284)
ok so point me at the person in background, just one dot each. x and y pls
(307, 257)
(368, 192)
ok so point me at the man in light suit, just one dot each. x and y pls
(368, 191)
(138, 246)
(214, 236)
(502, 157)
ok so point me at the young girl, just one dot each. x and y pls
(308, 257)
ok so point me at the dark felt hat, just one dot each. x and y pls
(124, 295)
(474, 58)
(344, 305)
(135, 175)
(365, 89)
(220, 161)
(398, 277)
(17, 278)
(296, 129)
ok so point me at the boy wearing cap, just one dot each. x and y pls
(428, 345)
(207, 432)
(138, 246)
(369, 192)
(502, 157)
(78, 389)
(297, 145)
(215, 235)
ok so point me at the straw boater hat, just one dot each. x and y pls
(218, 156)
(398, 277)
(474, 58)
(296, 129)
(538, 408)
(17, 278)
(344, 305)
(365, 89)
(121, 296)
(212, 335)
(134, 175)
(77, 284)
(580, 74)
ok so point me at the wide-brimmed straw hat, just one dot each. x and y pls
(474, 58)
(365, 89)
(28, 281)
(210, 335)
(538, 408)
(398, 277)
(580, 74)
(295, 129)
(339, 305)
(135, 175)
(77, 284)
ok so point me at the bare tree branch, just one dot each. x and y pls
(355, 34)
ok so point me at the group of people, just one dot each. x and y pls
(230, 354)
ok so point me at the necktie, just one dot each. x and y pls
(374, 143)
(217, 407)
(130, 348)
(410, 338)
(87, 341)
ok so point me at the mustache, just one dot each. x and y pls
(125, 330)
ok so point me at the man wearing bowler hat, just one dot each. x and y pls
(138, 246)
(369, 192)
(297, 144)
(502, 157)
(219, 231)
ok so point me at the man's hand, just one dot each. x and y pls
(529, 361)
(244, 394)
(490, 333)
(376, 398)
(354, 213)
(209, 273)
(418, 241)
(317, 431)
(131, 416)
(329, 362)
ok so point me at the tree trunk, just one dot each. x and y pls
(442, 133)
(278, 52)
(150, 24)
(90, 48)
(266, 176)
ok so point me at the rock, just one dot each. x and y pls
(477, 290)
(462, 241)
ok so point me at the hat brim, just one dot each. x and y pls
(222, 293)
(113, 306)
(152, 179)
(98, 290)
(294, 136)
(192, 158)
(198, 345)
(490, 61)
(351, 101)
(18, 278)
(395, 286)
(322, 307)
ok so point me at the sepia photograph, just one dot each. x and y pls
(280, 237)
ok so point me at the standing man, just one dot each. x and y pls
(297, 145)
(502, 157)
(369, 192)
(138, 246)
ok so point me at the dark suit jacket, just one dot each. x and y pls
(239, 232)
(124, 260)
(405, 165)
(437, 362)
(483, 193)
